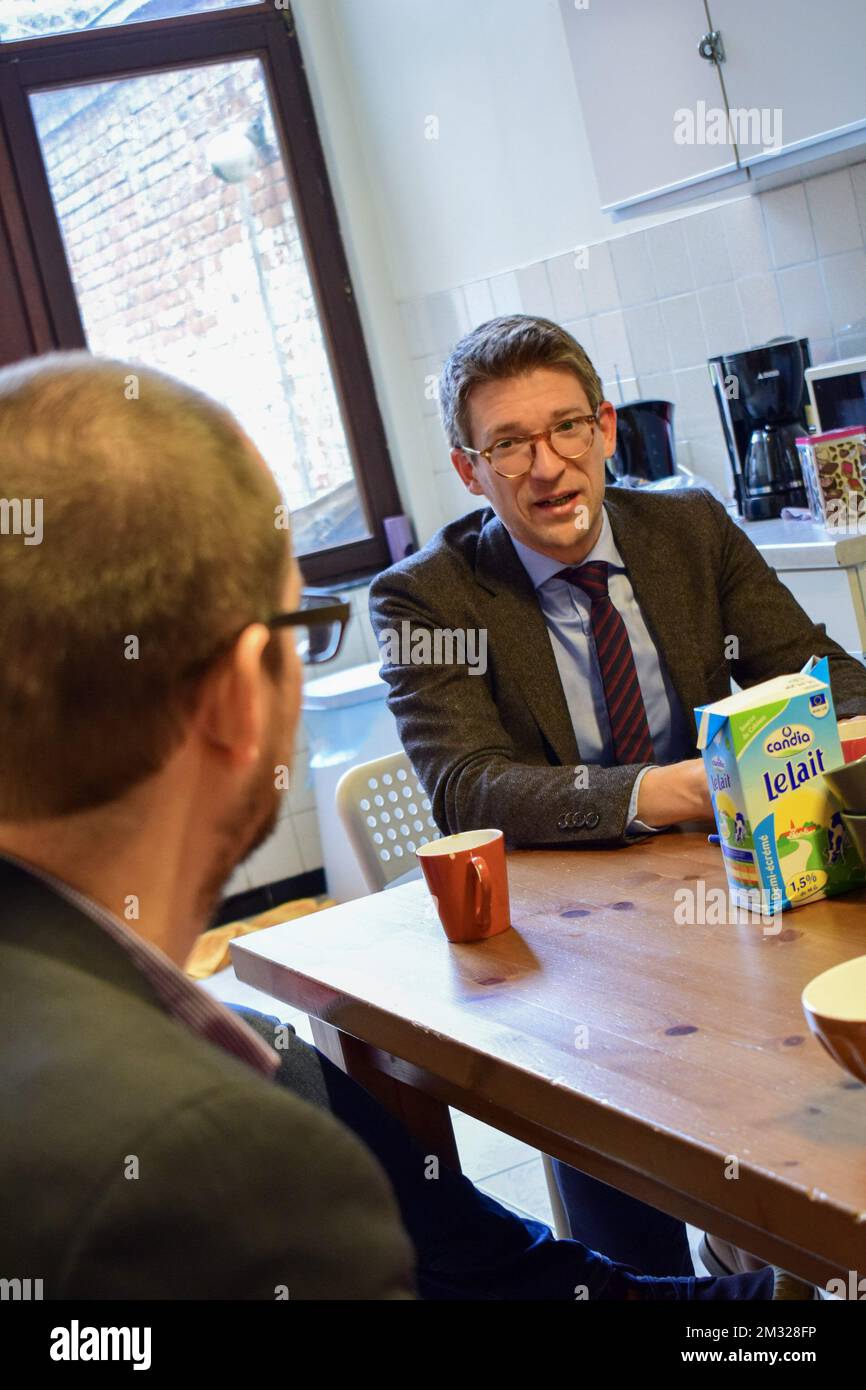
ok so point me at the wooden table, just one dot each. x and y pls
(661, 1057)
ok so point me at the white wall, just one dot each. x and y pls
(508, 183)
(509, 180)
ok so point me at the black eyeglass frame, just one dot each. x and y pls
(325, 612)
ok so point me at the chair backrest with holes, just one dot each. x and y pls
(387, 816)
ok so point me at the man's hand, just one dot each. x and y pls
(680, 792)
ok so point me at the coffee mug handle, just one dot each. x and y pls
(482, 909)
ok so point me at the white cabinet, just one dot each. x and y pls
(665, 124)
(825, 573)
(637, 66)
(802, 64)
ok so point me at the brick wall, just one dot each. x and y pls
(162, 255)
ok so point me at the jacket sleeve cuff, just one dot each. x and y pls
(635, 826)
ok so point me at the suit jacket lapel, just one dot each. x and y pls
(517, 628)
(670, 625)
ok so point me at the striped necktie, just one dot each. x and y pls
(626, 712)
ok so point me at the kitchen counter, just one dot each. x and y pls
(825, 571)
(795, 545)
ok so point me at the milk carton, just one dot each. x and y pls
(780, 829)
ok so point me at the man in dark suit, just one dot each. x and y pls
(148, 700)
(144, 707)
(603, 617)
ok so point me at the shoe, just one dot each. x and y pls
(722, 1258)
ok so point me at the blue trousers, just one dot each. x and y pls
(626, 1230)
(470, 1247)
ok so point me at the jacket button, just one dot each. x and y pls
(592, 820)
(579, 820)
(562, 823)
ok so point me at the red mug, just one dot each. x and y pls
(852, 733)
(467, 877)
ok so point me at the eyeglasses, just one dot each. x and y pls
(325, 618)
(512, 457)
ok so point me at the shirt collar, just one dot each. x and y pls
(540, 568)
(197, 1010)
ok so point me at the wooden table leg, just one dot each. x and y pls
(427, 1119)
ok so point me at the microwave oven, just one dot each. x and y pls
(837, 394)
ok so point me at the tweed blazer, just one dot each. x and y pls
(499, 749)
(242, 1190)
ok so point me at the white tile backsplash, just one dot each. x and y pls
(535, 293)
(708, 247)
(849, 345)
(309, 842)
(427, 370)
(647, 338)
(708, 459)
(762, 309)
(789, 225)
(659, 386)
(479, 302)
(612, 352)
(858, 181)
(672, 269)
(416, 326)
(698, 412)
(583, 331)
(506, 293)
(685, 331)
(724, 325)
(746, 236)
(279, 856)
(454, 498)
(437, 445)
(620, 391)
(633, 268)
(567, 287)
(804, 301)
(834, 213)
(830, 350)
(600, 287)
(238, 883)
(845, 278)
(448, 318)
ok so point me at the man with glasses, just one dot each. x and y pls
(149, 694)
(609, 616)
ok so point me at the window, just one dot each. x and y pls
(174, 189)
(38, 19)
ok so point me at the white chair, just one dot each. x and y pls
(387, 815)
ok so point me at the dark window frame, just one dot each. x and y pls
(43, 281)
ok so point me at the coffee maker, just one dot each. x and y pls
(761, 394)
(644, 443)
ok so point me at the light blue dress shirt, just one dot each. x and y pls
(566, 610)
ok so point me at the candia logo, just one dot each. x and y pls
(718, 763)
(791, 738)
